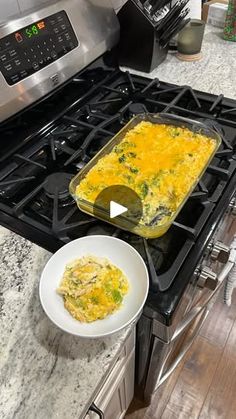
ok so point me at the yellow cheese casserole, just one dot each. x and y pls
(92, 288)
(159, 162)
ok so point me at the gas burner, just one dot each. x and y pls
(101, 229)
(137, 108)
(58, 183)
(123, 89)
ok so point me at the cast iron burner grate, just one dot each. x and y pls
(58, 183)
(35, 170)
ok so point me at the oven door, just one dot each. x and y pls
(165, 357)
(180, 346)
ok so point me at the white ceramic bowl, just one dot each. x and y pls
(120, 254)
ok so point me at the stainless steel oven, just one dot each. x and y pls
(161, 348)
(42, 48)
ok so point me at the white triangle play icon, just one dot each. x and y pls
(116, 209)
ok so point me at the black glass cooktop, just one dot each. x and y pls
(44, 147)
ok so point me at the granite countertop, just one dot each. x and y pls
(214, 73)
(44, 373)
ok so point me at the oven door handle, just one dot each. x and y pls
(183, 352)
(196, 310)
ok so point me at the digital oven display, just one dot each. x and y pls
(35, 46)
(34, 30)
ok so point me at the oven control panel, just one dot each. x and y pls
(33, 47)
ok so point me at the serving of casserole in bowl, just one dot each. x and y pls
(159, 156)
(94, 286)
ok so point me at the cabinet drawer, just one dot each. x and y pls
(128, 347)
(117, 393)
(126, 350)
(116, 376)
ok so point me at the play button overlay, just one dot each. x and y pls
(119, 205)
(116, 209)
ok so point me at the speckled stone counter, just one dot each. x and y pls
(44, 373)
(214, 73)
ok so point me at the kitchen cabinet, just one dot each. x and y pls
(117, 392)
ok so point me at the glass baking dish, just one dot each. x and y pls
(152, 230)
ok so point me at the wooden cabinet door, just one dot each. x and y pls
(122, 393)
(117, 393)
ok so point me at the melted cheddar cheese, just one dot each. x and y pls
(92, 288)
(159, 162)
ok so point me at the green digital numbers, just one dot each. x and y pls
(28, 33)
(34, 30)
(31, 31)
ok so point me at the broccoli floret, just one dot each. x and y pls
(133, 169)
(122, 158)
(144, 189)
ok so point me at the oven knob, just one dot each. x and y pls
(219, 252)
(232, 206)
(207, 278)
